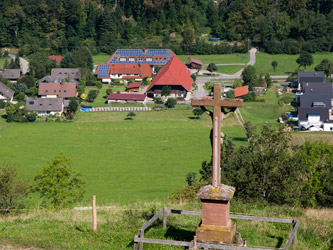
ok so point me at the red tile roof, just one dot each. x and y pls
(125, 96)
(62, 90)
(134, 85)
(241, 91)
(57, 58)
(173, 73)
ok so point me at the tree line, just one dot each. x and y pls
(104, 25)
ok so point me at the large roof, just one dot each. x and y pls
(11, 74)
(63, 90)
(56, 79)
(134, 85)
(174, 72)
(142, 56)
(310, 76)
(67, 72)
(142, 70)
(304, 112)
(44, 104)
(5, 91)
(125, 96)
(318, 88)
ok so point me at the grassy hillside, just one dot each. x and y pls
(71, 229)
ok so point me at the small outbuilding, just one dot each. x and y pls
(126, 97)
(195, 63)
(133, 87)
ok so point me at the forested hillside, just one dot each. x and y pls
(278, 26)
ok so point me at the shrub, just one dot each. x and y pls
(171, 103)
(191, 179)
(92, 95)
(12, 191)
(59, 184)
(108, 91)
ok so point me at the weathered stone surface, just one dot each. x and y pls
(216, 234)
(221, 192)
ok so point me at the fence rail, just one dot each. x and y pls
(165, 211)
(102, 109)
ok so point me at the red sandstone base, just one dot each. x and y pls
(216, 226)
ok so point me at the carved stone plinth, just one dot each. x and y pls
(216, 226)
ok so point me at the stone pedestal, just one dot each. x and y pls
(216, 226)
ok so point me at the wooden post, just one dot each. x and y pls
(165, 213)
(94, 213)
(294, 239)
(135, 245)
(141, 235)
(195, 243)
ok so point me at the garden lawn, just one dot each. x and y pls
(218, 59)
(122, 161)
(286, 63)
(2, 62)
(102, 97)
(229, 69)
(100, 58)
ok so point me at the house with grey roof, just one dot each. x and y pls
(71, 73)
(314, 105)
(60, 79)
(6, 94)
(11, 74)
(309, 77)
(45, 106)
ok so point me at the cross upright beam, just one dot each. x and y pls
(217, 103)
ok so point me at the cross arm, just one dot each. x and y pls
(229, 103)
(202, 102)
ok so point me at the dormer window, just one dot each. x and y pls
(31, 102)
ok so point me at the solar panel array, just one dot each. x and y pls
(139, 52)
(103, 70)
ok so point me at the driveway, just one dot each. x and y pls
(24, 64)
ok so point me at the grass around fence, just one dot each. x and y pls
(72, 229)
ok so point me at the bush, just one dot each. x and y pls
(108, 91)
(12, 191)
(191, 179)
(92, 95)
(171, 103)
(2, 104)
(59, 184)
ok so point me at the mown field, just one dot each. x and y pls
(122, 161)
(218, 59)
(286, 63)
(72, 229)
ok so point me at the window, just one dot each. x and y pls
(54, 91)
(40, 104)
(46, 91)
(31, 102)
(131, 59)
(149, 59)
(65, 91)
(122, 59)
(50, 105)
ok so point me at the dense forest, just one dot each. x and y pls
(276, 26)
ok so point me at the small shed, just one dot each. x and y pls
(241, 91)
(126, 97)
(195, 63)
(133, 87)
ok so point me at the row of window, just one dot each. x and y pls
(55, 91)
(140, 59)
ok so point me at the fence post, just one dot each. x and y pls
(141, 235)
(135, 245)
(294, 239)
(94, 213)
(165, 218)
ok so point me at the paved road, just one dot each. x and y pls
(200, 81)
(24, 64)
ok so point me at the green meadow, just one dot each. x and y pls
(286, 63)
(218, 59)
(122, 161)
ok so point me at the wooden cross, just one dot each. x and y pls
(217, 103)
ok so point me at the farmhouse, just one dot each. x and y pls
(73, 73)
(6, 94)
(126, 71)
(11, 74)
(195, 63)
(56, 89)
(125, 97)
(133, 87)
(142, 56)
(174, 74)
(45, 106)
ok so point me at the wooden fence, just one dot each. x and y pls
(139, 240)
